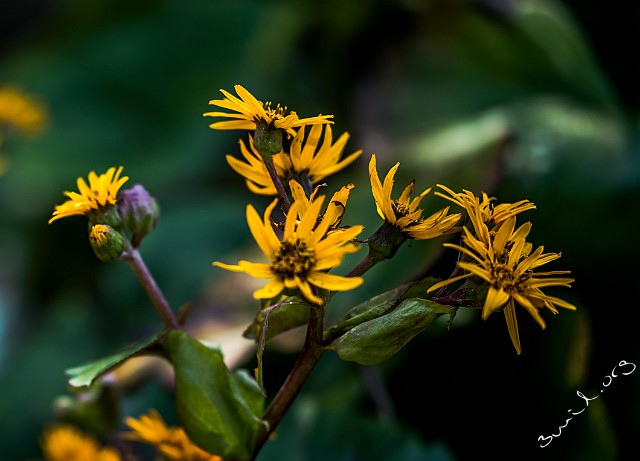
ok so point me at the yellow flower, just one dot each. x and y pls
(307, 158)
(403, 213)
(20, 111)
(507, 265)
(171, 442)
(303, 256)
(248, 112)
(335, 209)
(483, 211)
(101, 192)
(66, 443)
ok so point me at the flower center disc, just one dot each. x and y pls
(293, 259)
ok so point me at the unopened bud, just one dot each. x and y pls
(139, 212)
(106, 242)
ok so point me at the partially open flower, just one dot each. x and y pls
(94, 200)
(247, 113)
(107, 243)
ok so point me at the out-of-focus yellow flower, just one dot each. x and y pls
(20, 111)
(171, 442)
(311, 159)
(247, 113)
(101, 192)
(403, 212)
(507, 265)
(304, 255)
(66, 443)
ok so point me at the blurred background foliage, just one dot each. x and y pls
(533, 99)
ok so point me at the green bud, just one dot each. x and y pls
(106, 242)
(139, 212)
(267, 140)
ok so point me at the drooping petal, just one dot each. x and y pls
(270, 290)
(334, 282)
(512, 326)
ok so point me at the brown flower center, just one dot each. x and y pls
(293, 259)
(401, 210)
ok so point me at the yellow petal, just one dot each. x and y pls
(263, 234)
(334, 282)
(271, 289)
(496, 298)
(512, 326)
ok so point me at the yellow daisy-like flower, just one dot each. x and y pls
(335, 208)
(66, 443)
(248, 113)
(99, 193)
(314, 157)
(20, 110)
(507, 265)
(483, 211)
(304, 255)
(403, 213)
(171, 442)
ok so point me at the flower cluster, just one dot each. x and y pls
(115, 216)
(303, 243)
(309, 242)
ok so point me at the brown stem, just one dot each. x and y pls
(273, 174)
(367, 263)
(309, 356)
(151, 287)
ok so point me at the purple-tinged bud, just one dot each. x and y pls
(139, 212)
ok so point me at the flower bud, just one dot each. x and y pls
(139, 212)
(267, 140)
(106, 242)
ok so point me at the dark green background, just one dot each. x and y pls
(438, 85)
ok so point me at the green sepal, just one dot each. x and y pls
(374, 341)
(219, 410)
(267, 140)
(86, 375)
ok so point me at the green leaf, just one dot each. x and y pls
(85, 375)
(219, 410)
(376, 340)
(380, 305)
